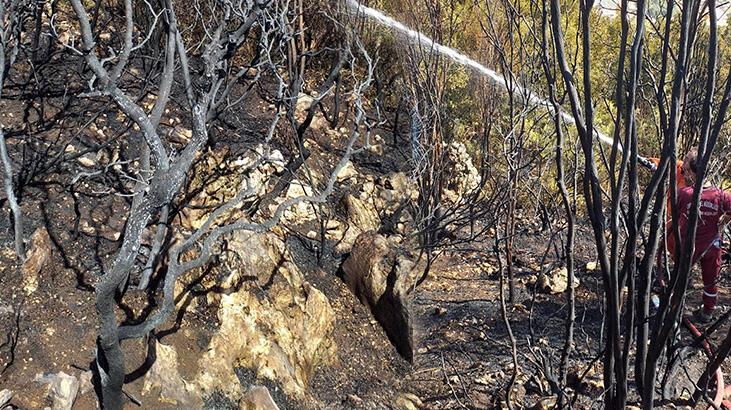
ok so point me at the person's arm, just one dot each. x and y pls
(649, 163)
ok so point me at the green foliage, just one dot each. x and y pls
(506, 33)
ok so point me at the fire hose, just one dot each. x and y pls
(721, 390)
(646, 163)
(532, 99)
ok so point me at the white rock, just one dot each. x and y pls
(277, 159)
(62, 389)
(303, 211)
(165, 376)
(347, 172)
(36, 258)
(86, 160)
(5, 397)
(257, 398)
(85, 384)
(303, 102)
(556, 281)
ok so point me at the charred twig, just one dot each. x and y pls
(449, 384)
(11, 341)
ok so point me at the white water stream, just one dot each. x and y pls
(460, 58)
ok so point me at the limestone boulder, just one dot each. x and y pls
(407, 401)
(262, 158)
(62, 389)
(380, 273)
(218, 177)
(257, 398)
(347, 172)
(302, 211)
(360, 217)
(304, 101)
(5, 397)
(164, 379)
(271, 321)
(360, 214)
(402, 187)
(461, 174)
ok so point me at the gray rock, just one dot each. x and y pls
(380, 275)
(62, 389)
(257, 398)
(5, 397)
(85, 384)
(38, 255)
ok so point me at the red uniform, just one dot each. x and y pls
(714, 203)
(670, 238)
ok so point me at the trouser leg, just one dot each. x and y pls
(710, 269)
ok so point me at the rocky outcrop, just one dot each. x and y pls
(272, 321)
(302, 211)
(164, 376)
(380, 273)
(359, 218)
(461, 175)
(347, 172)
(219, 176)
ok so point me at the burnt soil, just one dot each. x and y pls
(462, 354)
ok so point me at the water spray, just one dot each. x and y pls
(425, 41)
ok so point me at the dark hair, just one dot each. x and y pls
(691, 158)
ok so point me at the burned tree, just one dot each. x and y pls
(13, 15)
(617, 247)
(213, 80)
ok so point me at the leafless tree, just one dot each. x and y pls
(12, 17)
(215, 77)
(494, 144)
(618, 262)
